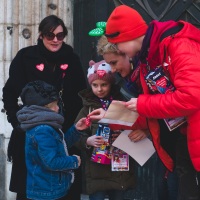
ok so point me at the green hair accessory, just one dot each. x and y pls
(99, 31)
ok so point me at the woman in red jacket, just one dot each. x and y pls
(166, 59)
(166, 181)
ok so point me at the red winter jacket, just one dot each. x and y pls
(181, 52)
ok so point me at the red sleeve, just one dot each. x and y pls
(184, 72)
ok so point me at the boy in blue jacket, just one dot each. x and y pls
(49, 166)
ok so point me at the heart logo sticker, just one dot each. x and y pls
(40, 67)
(64, 66)
(101, 73)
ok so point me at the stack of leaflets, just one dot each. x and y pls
(118, 113)
(107, 154)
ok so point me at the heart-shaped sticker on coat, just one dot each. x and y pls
(40, 67)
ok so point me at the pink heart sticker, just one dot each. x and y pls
(40, 67)
(64, 66)
(101, 73)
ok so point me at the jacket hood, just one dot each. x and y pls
(188, 31)
(158, 29)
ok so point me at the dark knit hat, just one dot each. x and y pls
(38, 93)
(100, 70)
(124, 24)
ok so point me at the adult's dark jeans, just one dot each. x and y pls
(188, 177)
(167, 183)
(16, 154)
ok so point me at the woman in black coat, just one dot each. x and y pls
(54, 62)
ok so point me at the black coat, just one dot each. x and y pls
(23, 70)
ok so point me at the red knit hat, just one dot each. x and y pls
(124, 24)
(100, 70)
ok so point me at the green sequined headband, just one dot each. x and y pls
(99, 31)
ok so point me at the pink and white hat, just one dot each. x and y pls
(100, 70)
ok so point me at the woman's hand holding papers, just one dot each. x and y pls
(138, 135)
(97, 114)
(132, 104)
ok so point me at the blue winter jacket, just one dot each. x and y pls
(48, 165)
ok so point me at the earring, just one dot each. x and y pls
(132, 66)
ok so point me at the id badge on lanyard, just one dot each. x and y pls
(158, 82)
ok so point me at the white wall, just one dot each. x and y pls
(21, 14)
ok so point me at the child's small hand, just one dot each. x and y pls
(79, 159)
(95, 141)
(88, 121)
(81, 124)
